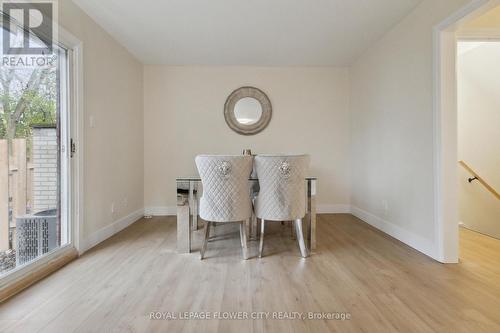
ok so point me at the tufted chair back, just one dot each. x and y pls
(226, 189)
(282, 195)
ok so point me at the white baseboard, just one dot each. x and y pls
(108, 231)
(161, 211)
(417, 242)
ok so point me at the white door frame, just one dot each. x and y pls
(77, 134)
(445, 128)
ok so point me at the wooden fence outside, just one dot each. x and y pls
(16, 187)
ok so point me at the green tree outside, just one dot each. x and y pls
(27, 97)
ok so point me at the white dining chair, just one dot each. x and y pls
(282, 194)
(226, 193)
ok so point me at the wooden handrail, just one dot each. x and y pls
(479, 179)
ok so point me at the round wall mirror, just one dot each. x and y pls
(247, 111)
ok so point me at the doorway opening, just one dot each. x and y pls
(478, 109)
(474, 22)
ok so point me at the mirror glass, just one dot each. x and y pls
(248, 111)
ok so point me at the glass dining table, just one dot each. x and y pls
(189, 191)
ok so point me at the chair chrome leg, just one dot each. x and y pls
(253, 228)
(300, 238)
(261, 246)
(245, 225)
(243, 236)
(205, 240)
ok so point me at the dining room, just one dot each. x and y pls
(264, 166)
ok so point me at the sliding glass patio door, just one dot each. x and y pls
(35, 153)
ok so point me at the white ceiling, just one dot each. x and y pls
(247, 32)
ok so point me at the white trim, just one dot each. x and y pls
(25, 270)
(161, 211)
(110, 230)
(333, 209)
(445, 150)
(417, 242)
(444, 138)
(77, 133)
(79, 137)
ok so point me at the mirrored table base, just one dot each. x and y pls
(188, 193)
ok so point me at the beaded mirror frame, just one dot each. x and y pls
(265, 118)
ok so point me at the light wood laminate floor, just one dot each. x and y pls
(384, 285)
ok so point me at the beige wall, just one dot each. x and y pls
(479, 210)
(479, 110)
(114, 146)
(479, 135)
(183, 117)
(488, 21)
(392, 128)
